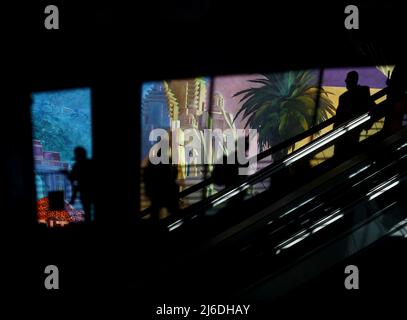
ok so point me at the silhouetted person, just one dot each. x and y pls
(74, 195)
(227, 172)
(161, 188)
(397, 100)
(82, 178)
(354, 102)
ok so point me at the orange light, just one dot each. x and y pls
(66, 216)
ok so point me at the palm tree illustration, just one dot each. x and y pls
(283, 106)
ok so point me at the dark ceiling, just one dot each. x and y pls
(178, 38)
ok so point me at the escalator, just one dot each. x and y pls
(267, 244)
(282, 247)
(302, 241)
(217, 212)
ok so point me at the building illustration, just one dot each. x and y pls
(49, 177)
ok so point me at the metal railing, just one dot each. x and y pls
(377, 113)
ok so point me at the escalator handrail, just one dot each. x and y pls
(281, 146)
(266, 213)
(264, 154)
(327, 243)
(374, 114)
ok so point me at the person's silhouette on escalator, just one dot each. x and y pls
(397, 100)
(82, 180)
(227, 174)
(355, 101)
(161, 188)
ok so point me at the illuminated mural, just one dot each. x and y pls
(61, 121)
(277, 105)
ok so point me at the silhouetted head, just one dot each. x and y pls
(351, 80)
(80, 153)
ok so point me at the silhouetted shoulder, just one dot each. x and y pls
(343, 96)
(364, 89)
